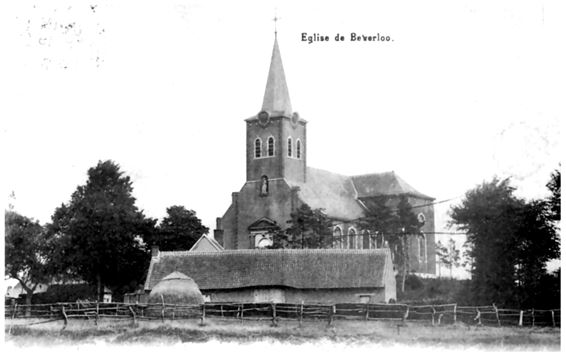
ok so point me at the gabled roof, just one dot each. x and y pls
(333, 192)
(276, 100)
(384, 184)
(262, 224)
(340, 195)
(295, 268)
(205, 243)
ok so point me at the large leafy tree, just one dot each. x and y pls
(397, 225)
(26, 252)
(179, 230)
(510, 241)
(100, 232)
(308, 229)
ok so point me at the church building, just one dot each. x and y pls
(278, 181)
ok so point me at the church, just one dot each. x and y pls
(278, 181)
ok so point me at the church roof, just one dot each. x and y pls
(384, 184)
(331, 191)
(339, 194)
(276, 100)
(295, 268)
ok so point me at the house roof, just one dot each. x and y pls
(333, 192)
(276, 100)
(384, 184)
(296, 268)
(206, 243)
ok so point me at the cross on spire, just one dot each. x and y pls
(275, 19)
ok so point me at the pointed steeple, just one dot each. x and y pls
(276, 100)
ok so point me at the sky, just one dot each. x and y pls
(463, 91)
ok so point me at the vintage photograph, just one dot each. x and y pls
(195, 175)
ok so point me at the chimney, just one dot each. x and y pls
(154, 251)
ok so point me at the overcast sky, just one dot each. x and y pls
(465, 90)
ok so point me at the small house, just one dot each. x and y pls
(282, 275)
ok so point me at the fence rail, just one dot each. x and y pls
(274, 312)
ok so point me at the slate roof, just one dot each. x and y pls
(276, 99)
(333, 192)
(339, 195)
(384, 184)
(295, 268)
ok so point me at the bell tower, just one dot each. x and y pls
(276, 146)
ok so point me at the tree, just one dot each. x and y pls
(396, 226)
(510, 241)
(553, 202)
(448, 255)
(179, 230)
(100, 232)
(25, 249)
(308, 229)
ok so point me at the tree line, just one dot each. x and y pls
(101, 237)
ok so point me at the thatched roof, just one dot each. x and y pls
(176, 288)
(297, 268)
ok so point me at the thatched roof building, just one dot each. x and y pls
(176, 288)
(283, 275)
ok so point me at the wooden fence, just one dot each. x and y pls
(274, 312)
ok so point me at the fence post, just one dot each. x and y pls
(273, 314)
(241, 307)
(521, 318)
(162, 309)
(13, 316)
(406, 315)
(455, 312)
(96, 316)
(133, 314)
(553, 321)
(533, 317)
(331, 312)
(433, 313)
(497, 315)
(301, 315)
(367, 311)
(64, 316)
(222, 311)
(478, 316)
(203, 316)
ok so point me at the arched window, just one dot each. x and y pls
(351, 238)
(422, 247)
(289, 147)
(299, 148)
(270, 146)
(337, 237)
(257, 147)
(366, 240)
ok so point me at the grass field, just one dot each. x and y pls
(349, 333)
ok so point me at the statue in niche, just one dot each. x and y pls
(264, 186)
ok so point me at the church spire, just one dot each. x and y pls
(276, 100)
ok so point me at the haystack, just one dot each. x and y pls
(176, 288)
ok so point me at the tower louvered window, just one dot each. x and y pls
(290, 147)
(270, 146)
(298, 149)
(257, 147)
